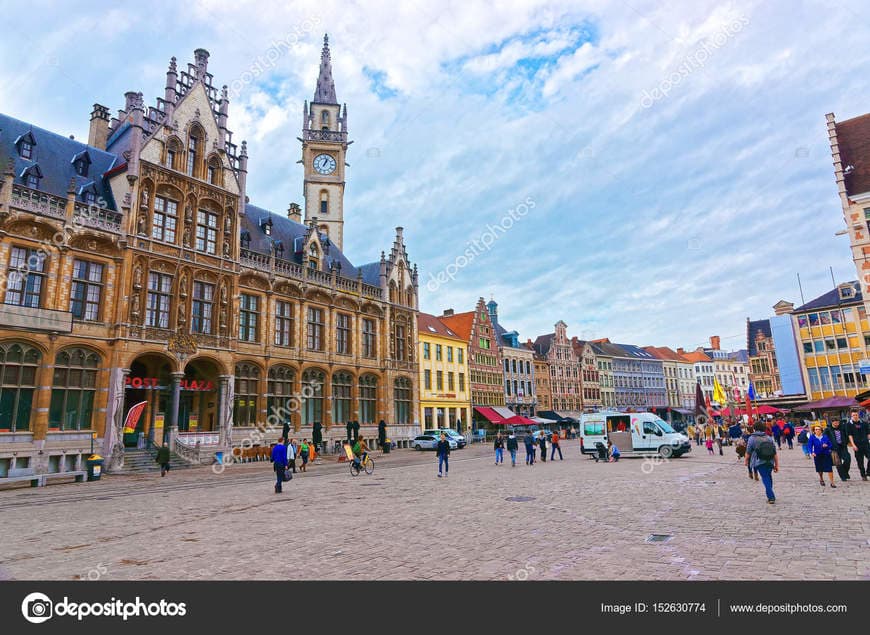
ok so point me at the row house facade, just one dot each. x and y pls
(565, 371)
(445, 394)
(519, 368)
(731, 369)
(484, 360)
(590, 376)
(679, 377)
(703, 369)
(171, 290)
(604, 361)
(542, 380)
(763, 369)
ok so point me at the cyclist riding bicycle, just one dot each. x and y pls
(360, 452)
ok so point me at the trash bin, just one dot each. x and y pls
(95, 467)
(387, 446)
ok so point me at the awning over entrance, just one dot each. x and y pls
(503, 411)
(517, 420)
(831, 403)
(550, 415)
(489, 414)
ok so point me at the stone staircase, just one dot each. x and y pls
(142, 462)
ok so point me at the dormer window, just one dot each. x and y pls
(89, 197)
(31, 176)
(313, 257)
(847, 292)
(278, 246)
(245, 239)
(25, 149)
(88, 193)
(81, 162)
(266, 226)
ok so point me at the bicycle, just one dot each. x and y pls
(366, 464)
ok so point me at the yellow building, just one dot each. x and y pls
(445, 394)
(834, 335)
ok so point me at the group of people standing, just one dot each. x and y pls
(532, 442)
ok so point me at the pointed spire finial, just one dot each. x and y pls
(324, 93)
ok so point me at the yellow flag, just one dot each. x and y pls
(718, 393)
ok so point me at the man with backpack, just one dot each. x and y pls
(762, 458)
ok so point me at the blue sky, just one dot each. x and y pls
(676, 154)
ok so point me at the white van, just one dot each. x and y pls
(634, 433)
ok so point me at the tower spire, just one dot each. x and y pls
(325, 91)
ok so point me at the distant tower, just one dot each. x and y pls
(324, 145)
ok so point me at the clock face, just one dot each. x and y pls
(324, 164)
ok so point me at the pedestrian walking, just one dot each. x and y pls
(304, 453)
(292, 451)
(839, 439)
(382, 434)
(285, 432)
(777, 435)
(316, 438)
(719, 445)
(542, 441)
(556, 447)
(512, 447)
(443, 450)
(529, 442)
(498, 444)
(788, 434)
(279, 464)
(762, 458)
(820, 450)
(690, 431)
(163, 458)
(859, 441)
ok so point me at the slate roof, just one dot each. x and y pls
(607, 349)
(543, 343)
(54, 154)
(739, 356)
(753, 328)
(831, 299)
(635, 352)
(287, 232)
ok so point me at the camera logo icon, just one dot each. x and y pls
(37, 608)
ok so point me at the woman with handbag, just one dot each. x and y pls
(839, 439)
(820, 449)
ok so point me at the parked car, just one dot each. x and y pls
(430, 442)
(451, 434)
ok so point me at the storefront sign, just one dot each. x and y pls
(152, 383)
(193, 422)
(158, 428)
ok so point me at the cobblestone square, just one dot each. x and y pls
(569, 520)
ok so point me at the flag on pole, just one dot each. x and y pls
(749, 405)
(700, 408)
(751, 394)
(718, 393)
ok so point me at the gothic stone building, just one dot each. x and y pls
(137, 272)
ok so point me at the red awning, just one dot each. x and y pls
(518, 420)
(490, 415)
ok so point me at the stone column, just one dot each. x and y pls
(113, 439)
(174, 402)
(226, 397)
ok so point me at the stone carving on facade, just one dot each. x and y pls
(134, 308)
(228, 224)
(182, 316)
(140, 228)
(181, 344)
(186, 239)
(137, 277)
(182, 286)
(145, 197)
(226, 249)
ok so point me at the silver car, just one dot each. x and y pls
(430, 442)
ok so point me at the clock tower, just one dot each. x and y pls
(324, 145)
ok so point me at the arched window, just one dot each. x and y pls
(194, 150)
(324, 202)
(313, 257)
(73, 389)
(18, 365)
(312, 396)
(282, 386)
(247, 395)
(214, 174)
(368, 399)
(173, 152)
(402, 400)
(342, 388)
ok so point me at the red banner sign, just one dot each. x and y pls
(133, 416)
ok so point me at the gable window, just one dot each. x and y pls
(26, 277)
(81, 162)
(313, 257)
(248, 317)
(165, 219)
(206, 232)
(173, 149)
(213, 174)
(192, 150)
(25, 149)
(87, 290)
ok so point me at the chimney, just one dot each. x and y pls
(714, 342)
(681, 351)
(447, 313)
(783, 308)
(294, 213)
(99, 132)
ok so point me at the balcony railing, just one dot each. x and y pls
(262, 262)
(324, 135)
(98, 218)
(38, 202)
